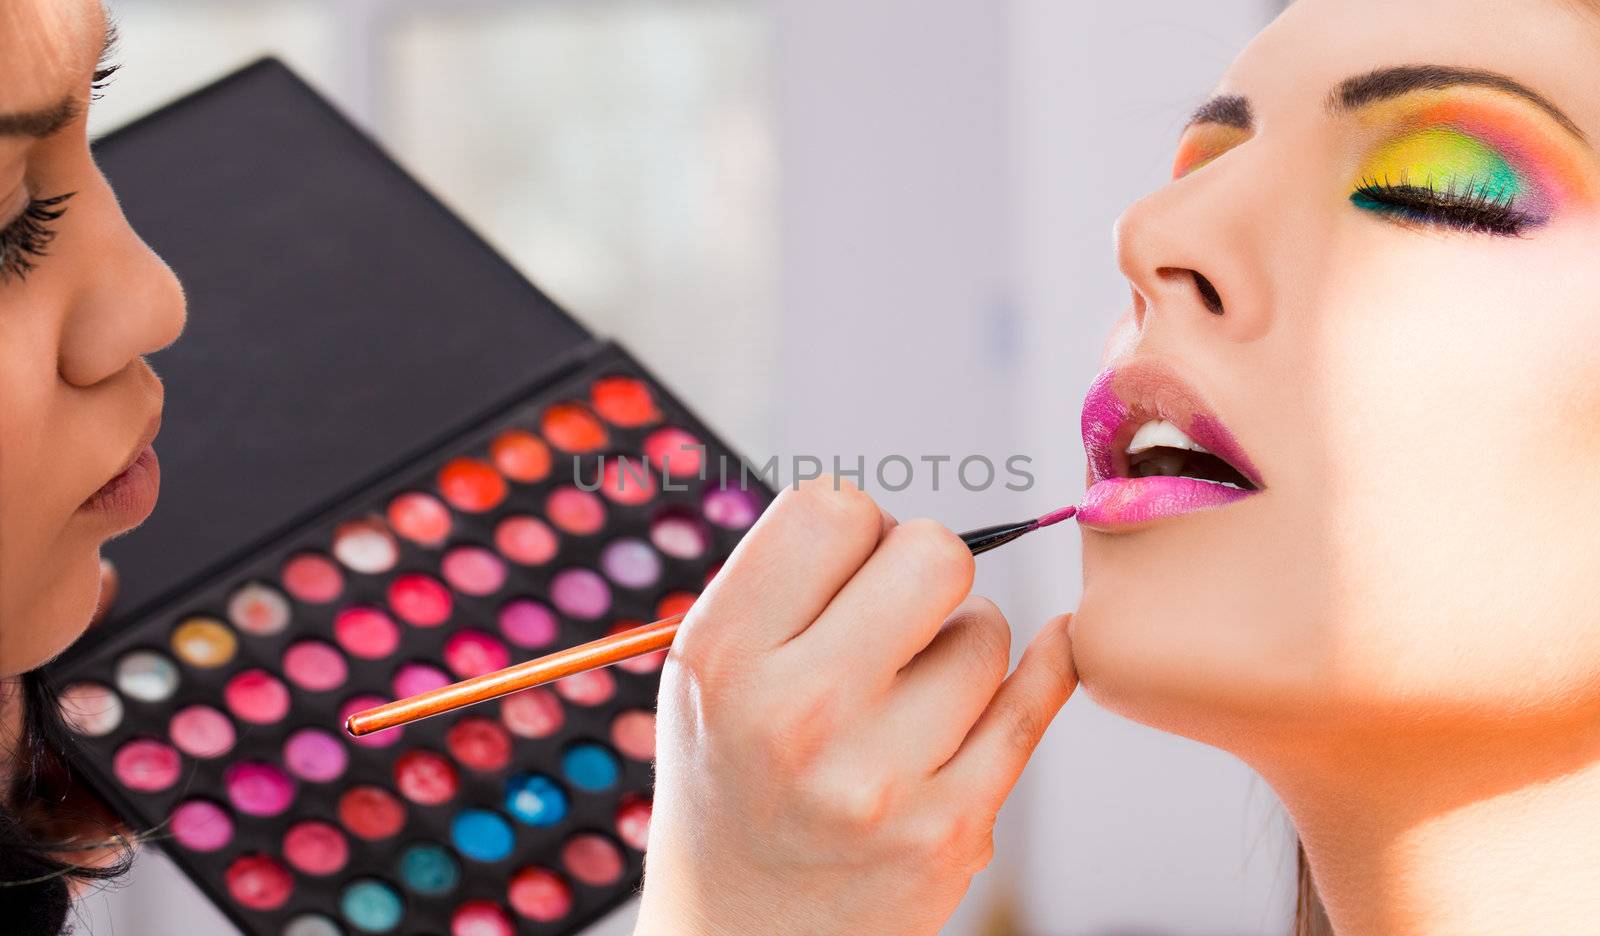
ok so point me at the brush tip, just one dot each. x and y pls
(1055, 517)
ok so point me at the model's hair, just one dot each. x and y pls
(36, 872)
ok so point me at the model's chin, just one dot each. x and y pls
(58, 613)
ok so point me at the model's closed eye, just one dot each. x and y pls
(1450, 147)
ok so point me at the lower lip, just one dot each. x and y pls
(131, 496)
(1119, 504)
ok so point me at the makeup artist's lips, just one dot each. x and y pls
(128, 498)
(1144, 391)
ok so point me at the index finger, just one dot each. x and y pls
(786, 570)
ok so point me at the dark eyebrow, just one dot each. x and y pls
(1232, 110)
(42, 123)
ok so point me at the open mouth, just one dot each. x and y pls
(1156, 451)
(1160, 449)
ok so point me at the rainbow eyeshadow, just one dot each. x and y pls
(574, 512)
(1473, 143)
(1203, 143)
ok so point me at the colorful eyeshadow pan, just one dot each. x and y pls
(592, 859)
(595, 687)
(316, 848)
(481, 835)
(146, 676)
(256, 696)
(312, 578)
(473, 570)
(572, 428)
(259, 882)
(204, 643)
(91, 709)
(627, 481)
(201, 731)
(421, 518)
(532, 713)
(580, 593)
(312, 924)
(365, 546)
(631, 563)
(315, 755)
(201, 825)
(575, 511)
(528, 623)
(416, 678)
(674, 453)
(425, 777)
(528, 541)
(535, 800)
(259, 788)
(471, 486)
(429, 869)
(480, 744)
(634, 734)
(624, 401)
(680, 535)
(371, 812)
(218, 717)
(367, 633)
(472, 652)
(371, 906)
(521, 456)
(480, 918)
(539, 894)
(146, 765)
(262, 610)
(315, 666)
(733, 508)
(420, 600)
(590, 767)
(633, 822)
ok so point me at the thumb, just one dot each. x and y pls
(999, 745)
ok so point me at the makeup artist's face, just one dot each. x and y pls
(1404, 339)
(81, 299)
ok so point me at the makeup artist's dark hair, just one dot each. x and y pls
(1310, 917)
(35, 873)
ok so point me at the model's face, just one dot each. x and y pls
(81, 300)
(1415, 376)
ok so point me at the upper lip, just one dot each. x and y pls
(146, 439)
(1127, 395)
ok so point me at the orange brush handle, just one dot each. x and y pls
(638, 641)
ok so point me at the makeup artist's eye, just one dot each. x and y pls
(1202, 143)
(1443, 177)
(25, 240)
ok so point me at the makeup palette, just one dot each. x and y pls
(413, 549)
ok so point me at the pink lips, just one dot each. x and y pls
(1146, 391)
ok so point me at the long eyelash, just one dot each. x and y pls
(102, 80)
(106, 68)
(1474, 209)
(28, 238)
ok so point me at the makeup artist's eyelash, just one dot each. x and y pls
(101, 81)
(1473, 209)
(28, 238)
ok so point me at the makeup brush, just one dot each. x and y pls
(595, 654)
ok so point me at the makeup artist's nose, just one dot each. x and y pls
(127, 303)
(1190, 254)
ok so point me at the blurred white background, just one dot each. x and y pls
(892, 223)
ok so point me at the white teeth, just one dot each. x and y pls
(1163, 434)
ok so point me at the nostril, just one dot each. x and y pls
(1208, 293)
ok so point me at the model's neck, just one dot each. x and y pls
(1454, 836)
